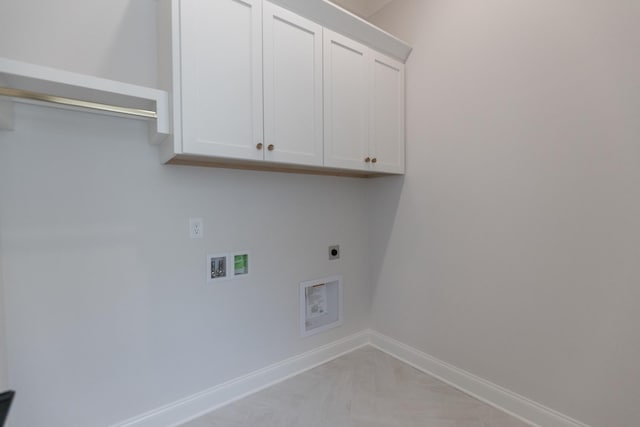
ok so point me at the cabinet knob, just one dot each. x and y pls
(259, 146)
(270, 147)
(374, 160)
(367, 159)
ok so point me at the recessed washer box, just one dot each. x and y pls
(320, 305)
(218, 269)
(228, 266)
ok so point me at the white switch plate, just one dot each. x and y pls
(196, 228)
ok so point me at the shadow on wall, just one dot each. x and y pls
(384, 200)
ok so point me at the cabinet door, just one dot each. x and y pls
(292, 87)
(386, 135)
(221, 48)
(346, 102)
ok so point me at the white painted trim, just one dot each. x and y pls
(184, 410)
(507, 401)
(340, 20)
(52, 81)
(181, 411)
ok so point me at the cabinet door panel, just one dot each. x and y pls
(386, 142)
(222, 77)
(346, 102)
(292, 87)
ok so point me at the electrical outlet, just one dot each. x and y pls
(334, 252)
(196, 228)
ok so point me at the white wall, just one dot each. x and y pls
(512, 250)
(509, 249)
(114, 39)
(4, 382)
(107, 311)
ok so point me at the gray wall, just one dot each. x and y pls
(4, 382)
(513, 249)
(107, 311)
(510, 249)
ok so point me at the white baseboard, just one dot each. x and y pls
(507, 401)
(206, 401)
(179, 412)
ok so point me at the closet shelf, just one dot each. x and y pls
(24, 82)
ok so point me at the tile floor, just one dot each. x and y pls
(364, 388)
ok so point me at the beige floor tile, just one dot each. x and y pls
(364, 388)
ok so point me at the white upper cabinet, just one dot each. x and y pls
(364, 107)
(256, 85)
(346, 103)
(292, 87)
(221, 66)
(386, 127)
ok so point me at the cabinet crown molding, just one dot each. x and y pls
(342, 21)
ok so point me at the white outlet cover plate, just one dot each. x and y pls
(196, 228)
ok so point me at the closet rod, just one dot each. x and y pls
(35, 96)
